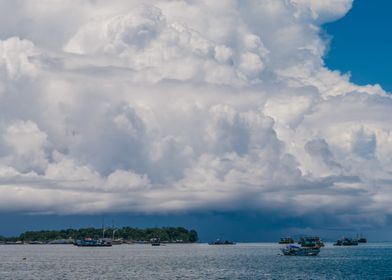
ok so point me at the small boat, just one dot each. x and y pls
(19, 242)
(295, 250)
(118, 241)
(89, 242)
(346, 242)
(34, 242)
(311, 241)
(221, 242)
(155, 242)
(286, 240)
(68, 241)
(361, 239)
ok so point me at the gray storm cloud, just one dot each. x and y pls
(186, 105)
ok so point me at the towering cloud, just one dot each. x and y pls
(186, 105)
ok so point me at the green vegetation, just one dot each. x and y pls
(168, 234)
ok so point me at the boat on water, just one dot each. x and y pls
(89, 242)
(286, 240)
(34, 242)
(346, 242)
(311, 241)
(100, 242)
(221, 242)
(295, 250)
(155, 242)
(19, 242)
(361, 239)
(117, 241)
(68, 241)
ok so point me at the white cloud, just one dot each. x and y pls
(324, 10)
(25, 145)
(16, 58)
(185, 105)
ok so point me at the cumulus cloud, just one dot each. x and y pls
(325, 10)
(186, 105)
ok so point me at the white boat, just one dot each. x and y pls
(155, 242)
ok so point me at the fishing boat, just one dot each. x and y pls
(221, 242)
(68, 241)
(346, 242)
(311, 241)
(155, 242)
(361, 239)
(118, 241)
(19, 242)
(34, 242)
(286, 240)
(295, 250)
(89, 242)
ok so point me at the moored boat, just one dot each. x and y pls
(155, 242)
(118, 241)
(286, 240)
(19, 242)
(361, 239)
(68, 241)
(89, 242)
(311, 241)
(221, 242)
(346, 242)
(34, 242)
(295, 250)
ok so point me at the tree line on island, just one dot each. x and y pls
(165, 234)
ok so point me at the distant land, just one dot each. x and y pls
(165, 234)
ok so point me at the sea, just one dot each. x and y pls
(193, 261)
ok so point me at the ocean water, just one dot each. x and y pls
(193, 261)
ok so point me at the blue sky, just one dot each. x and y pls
(362, 43)
(221, 116)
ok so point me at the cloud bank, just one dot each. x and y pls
(183, 105)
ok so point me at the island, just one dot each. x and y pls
(121, 235)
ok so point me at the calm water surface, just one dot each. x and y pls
(195, 261)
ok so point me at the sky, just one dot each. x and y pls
(361, 43)
(235, 118)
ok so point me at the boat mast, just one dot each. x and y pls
(113, 229)
(103, 227)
